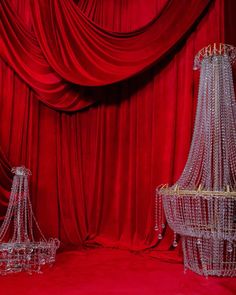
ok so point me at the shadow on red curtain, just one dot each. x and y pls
(95, 171)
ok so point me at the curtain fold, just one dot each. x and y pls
(20, 48)
(86, 54)
(71, 49)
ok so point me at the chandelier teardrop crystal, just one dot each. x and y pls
(19, 250)
(201, 206)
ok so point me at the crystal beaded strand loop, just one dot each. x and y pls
(175, 243)
(156, 213)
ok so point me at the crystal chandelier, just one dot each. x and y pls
(201, 206)
(19, 250)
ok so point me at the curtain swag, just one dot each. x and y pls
(71, 51)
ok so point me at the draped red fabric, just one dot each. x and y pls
(94, 172)
(85, 54)
(19, 47)
(82, 52)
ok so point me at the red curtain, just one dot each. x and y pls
(19, 47)
(95, 171)
(82, 52)
(89, 55)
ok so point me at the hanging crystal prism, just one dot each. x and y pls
(19, 250)
(201, 206)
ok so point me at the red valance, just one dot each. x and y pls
(86, 54)
(69, 48)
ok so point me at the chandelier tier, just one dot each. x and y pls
(201, 213)
(209, 257)
(201, 205)
(19, 250)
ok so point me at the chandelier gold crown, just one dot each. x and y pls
(214, 50)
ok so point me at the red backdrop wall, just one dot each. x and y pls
(94, 172)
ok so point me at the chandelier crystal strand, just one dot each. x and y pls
(201, 206)
(19, 251)
(175, 243)
(158, 215)
(156, 211)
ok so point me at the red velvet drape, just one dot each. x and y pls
(82, 52)
(89, 55)
(95, 171)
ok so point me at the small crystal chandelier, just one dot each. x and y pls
(19, 250)
(201, 206)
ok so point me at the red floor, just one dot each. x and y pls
(108, 271)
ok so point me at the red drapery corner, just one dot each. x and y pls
(20, 48)
(94, 172)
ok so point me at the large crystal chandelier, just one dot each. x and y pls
(19, 249)
(201, 206)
